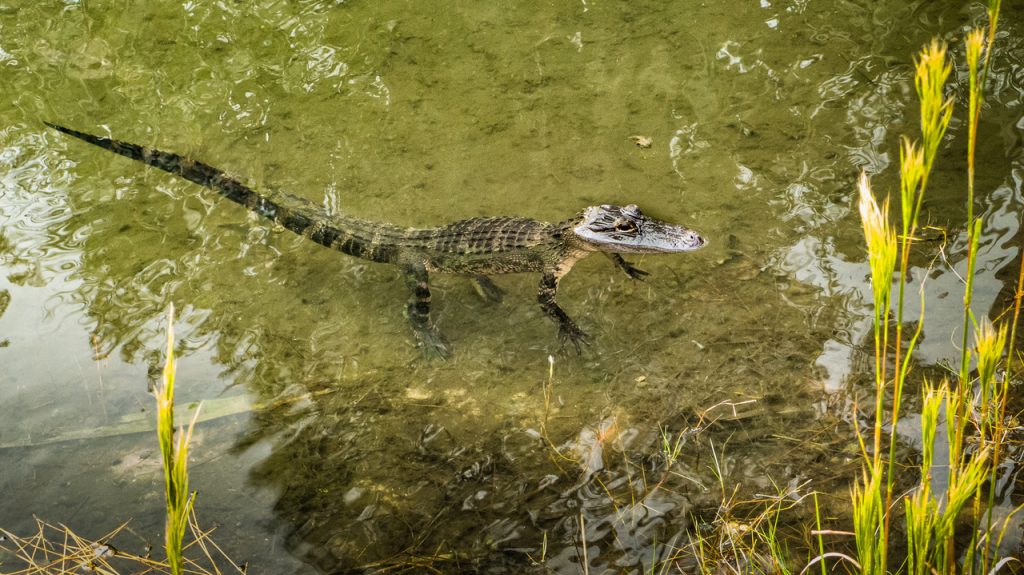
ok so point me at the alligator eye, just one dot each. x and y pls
(625, 226)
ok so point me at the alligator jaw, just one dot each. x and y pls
(625, 230)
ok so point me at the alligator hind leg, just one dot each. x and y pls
(567, 329)
(487, 289)
(418, 312)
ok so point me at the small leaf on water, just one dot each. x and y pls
(642, 141)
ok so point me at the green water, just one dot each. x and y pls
(329, 443)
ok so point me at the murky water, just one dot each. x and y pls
(327, 442)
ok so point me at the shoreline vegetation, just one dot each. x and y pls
(946, 523)
(57, 549)
(970, 411)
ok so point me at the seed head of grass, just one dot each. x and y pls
(912, 173)
(881, 241)
(989, 344)
(932, 70)
(974, 44)
(931, 410)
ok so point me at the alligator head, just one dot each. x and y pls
(625, 230)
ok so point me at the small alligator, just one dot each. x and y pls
(477, 247)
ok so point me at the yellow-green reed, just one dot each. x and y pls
(869, 521)
(914, 169)
(974, 46)
(920, 506)
(932, 69)
(989, 344)
(881, 240)
(931, 517)
(916, 160)
(872, 512)
(821, 537)
(1017, 296)
(174, 452)
(990, 341)
(966, 475)
(977, 409)
(973, 43)
(912, 173)
(869, 515)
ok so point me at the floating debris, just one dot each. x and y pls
(642, 141)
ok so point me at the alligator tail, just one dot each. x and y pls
(346, 234)
(198, 172)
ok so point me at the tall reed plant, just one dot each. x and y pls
(971, 406)
(174, 451)
(872, 499)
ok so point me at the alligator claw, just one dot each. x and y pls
(433, 345)
(631, 271)
(572, 333)
(634, 272)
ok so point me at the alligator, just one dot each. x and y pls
(476, 247)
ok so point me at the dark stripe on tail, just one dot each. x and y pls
(301, 221)
(193, 171)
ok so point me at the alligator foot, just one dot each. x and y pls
(633, 272)
(432, 344)
(428, 340)
(567, 329)
(487, 289)
(570, 332)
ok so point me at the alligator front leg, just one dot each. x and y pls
(567, 329)
(418, 312)
(633, 272)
